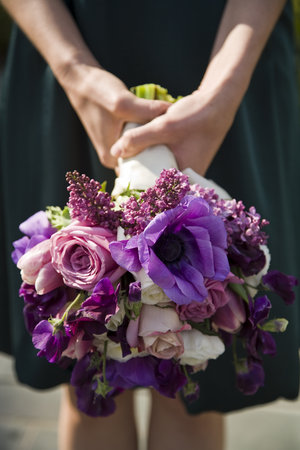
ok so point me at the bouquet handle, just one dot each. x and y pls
(140, 171)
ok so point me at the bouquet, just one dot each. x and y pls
(141, 288)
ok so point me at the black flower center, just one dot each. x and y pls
(169, 248)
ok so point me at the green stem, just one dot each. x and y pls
(57, 323)
(104, 362)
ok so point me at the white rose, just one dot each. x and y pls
(151, 293)
(113, 349)
(199, 347)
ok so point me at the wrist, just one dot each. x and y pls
(73, 66)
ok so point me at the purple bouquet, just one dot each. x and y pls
(144, 288)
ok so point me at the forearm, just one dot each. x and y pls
(242, 35)
(51, 28)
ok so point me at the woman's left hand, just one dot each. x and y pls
(193, 128)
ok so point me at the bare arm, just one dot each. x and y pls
(195, 127)
(101, 100)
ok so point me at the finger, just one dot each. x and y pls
(141, 110)
(135, 140)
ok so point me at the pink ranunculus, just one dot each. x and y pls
(37, 270)
(217, 297)
(81, 255)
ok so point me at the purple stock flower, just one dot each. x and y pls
(36, 228)
(50, 343)
(95, 311)
(258, 340)
(250, 376)
(249, 258)
(120, 337)
(178, 249)
(164, 375)
(41, 307)
(88, 401)
(135, 291)
(281, 284)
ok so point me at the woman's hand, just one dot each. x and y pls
(193, 128)
(101, 100)
(104, 104)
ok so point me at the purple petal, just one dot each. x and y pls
(281, 284)
(221, 263)
(158, 272)
(37, 224)
(125, 256)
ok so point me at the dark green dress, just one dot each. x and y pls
(41, 138)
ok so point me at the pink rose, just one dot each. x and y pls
(157, 331)
(37, 270)
(81, 255)
(165, 346)
(216, 298)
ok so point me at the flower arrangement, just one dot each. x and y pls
(143, 287)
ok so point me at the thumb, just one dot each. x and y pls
(137, 139)
(142, 110)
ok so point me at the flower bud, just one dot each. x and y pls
(231, 316)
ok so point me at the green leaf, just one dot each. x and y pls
(59, 218)
(239, 290)
(103, 186)
(204, 327)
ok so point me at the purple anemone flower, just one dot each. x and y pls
(250, 376)
(281, 284)
(36, 228)
(50, 344)
(178, 249)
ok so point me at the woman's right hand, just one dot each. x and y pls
(104, 104)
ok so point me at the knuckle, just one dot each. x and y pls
(119, 105)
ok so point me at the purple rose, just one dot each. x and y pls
(217, 296)
(178, 249)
